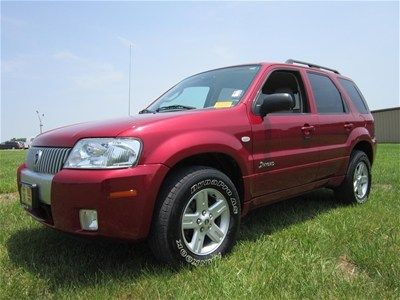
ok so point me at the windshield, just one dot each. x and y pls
(218, 88)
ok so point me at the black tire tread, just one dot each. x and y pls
(158, 235)
(344, 192)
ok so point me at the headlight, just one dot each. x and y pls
(104, 153)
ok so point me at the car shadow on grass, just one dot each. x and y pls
(275, 217)
(64, 260)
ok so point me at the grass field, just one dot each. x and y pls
(307, 247)
(9, 161)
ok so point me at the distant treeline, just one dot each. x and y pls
(18, 140)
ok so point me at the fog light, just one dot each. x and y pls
(88, 219)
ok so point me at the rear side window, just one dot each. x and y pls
(326, 95)
(355, 95)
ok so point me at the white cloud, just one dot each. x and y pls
(13, 65)
(65, 55)
(83, 72)
(20, 67)
(98, 75)
(89, 74)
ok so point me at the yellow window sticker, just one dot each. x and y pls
(223, 104)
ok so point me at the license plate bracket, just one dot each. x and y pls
(29, 196)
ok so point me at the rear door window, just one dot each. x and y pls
(355, 95)
(327, 97)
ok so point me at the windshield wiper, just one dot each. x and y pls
(174, 107)
(147, 111)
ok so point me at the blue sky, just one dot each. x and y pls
(70, 59)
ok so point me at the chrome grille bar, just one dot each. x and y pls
(47, 160)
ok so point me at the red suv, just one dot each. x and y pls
(218, 144)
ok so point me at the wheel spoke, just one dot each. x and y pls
(360, 190)
(362, 167)
(355, 184)
(189, 221)
(364, 179)
(198, 218)
(218, 208)
(197, 241)
(202, 201)
(358, 170)
(361, 180)
(215, 233)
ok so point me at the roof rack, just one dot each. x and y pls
(293, 61)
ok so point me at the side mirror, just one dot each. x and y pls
(276, 102)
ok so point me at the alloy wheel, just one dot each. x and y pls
(361, 181)
(205, 221)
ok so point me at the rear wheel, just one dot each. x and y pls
(357, 183)
(197, 218)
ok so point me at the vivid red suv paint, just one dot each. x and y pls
(215, 146)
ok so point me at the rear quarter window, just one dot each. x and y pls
(355, 95)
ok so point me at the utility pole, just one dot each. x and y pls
(130, 71)
(40, 121)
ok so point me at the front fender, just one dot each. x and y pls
(179, 147)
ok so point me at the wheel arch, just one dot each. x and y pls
(223, 162)
(366, 147)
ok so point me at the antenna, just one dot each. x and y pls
(40, 121)
(130, 71)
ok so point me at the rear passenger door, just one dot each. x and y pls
(334, 125)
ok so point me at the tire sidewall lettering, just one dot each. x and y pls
(227, 189)
(218, 184)
(190, 259)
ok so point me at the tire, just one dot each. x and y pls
(356, 186)
(195, 239)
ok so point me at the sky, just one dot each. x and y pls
(70, 60)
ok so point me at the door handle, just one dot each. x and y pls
(307, 127)
(307, 130)
(348, 126)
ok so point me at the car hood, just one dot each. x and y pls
(67, 136)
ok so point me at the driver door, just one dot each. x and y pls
(284, 143)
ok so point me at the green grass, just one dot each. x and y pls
(9, 161)
(307, 247)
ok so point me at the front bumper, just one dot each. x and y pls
(64, 194)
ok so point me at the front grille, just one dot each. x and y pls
(46, 160)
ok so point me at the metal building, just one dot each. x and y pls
(387, 125)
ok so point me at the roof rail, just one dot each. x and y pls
(293, 61)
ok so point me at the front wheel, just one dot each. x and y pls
(357, 183)
(197, 218)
